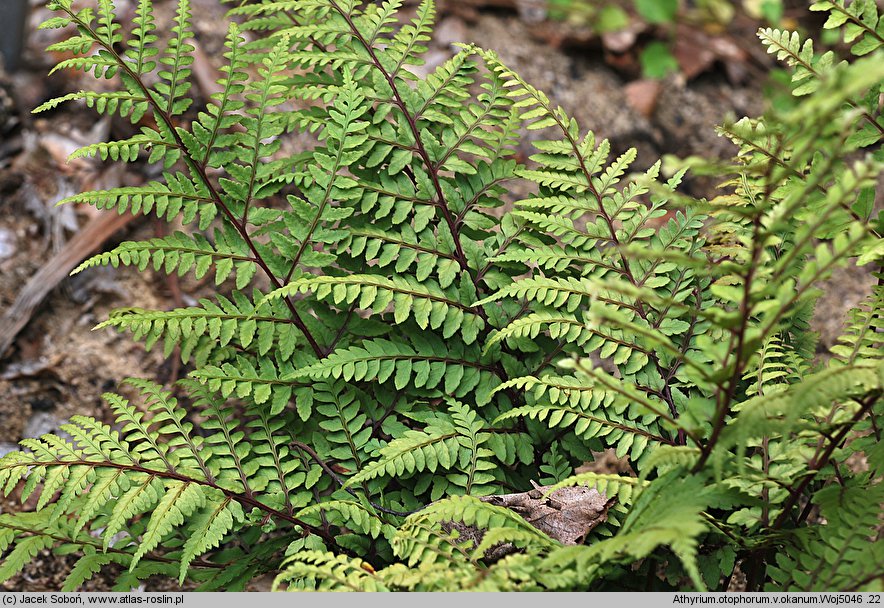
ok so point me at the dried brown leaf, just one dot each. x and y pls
(565, 514)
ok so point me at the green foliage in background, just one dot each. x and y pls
(655, 57)
(612, 15)
(392, 340)
(657, 61)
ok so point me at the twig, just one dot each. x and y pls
(87, 240)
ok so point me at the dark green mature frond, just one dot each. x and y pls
(842, 554)
(448, 443)
(428, 364)
(184, 253)
(325, 571)
(262, 380)
(212, 327)
(426, 303)
(352, 514)
(178, 197)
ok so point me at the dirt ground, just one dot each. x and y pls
(58, 366)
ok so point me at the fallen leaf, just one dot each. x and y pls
(692, 51)
(642, 96)
(56, 268)
(565, 514)
(696, 51)
(622, 40)
(607, 462)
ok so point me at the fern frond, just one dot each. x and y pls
(223, 322)
(343, 424)
(324, 571)
(787, 410)
(789, 47)
(435, 447)
(180, 501)
(209, 141)
(470, 512)
(416, 336)
(24, 552)
(840, 554)
(176, 61)
(625, 489)
(429, 305)
(860, 23)
(125, 104)
(351, 514)
(428, 366)
(263, 380)
(451, 442)
(178, 197)
(862, 339)
(405, 249)
(141, 46)
(566, 293)
(87, 567)
(183, 253)
(627, 435)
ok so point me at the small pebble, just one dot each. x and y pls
(41, 423)
(450, 30)
(8, 244)
(532, 11)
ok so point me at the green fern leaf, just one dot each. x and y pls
(179, 502)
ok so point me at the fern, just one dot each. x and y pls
(387, 352)
(845, 541)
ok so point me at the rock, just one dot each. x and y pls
(622, 40)
(532, 11)
(642, 96)
(8, 244)
(41, 423)
(8, 114)
(450, 31)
